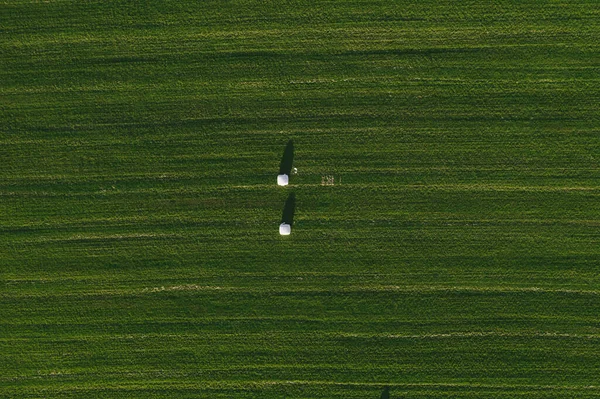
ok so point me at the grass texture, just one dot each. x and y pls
(456, 255)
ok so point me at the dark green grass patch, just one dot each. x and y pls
(447, 201)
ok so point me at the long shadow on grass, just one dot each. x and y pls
(285, 167)
(386, 393)
(288, 210)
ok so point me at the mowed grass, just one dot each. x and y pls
(457, 254)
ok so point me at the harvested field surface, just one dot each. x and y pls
(446, 238)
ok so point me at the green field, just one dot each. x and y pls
(457, 255)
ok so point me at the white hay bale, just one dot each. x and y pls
(285, 229)
(282, 180)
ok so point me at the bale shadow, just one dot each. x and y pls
(288, 210)
(285, 167)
